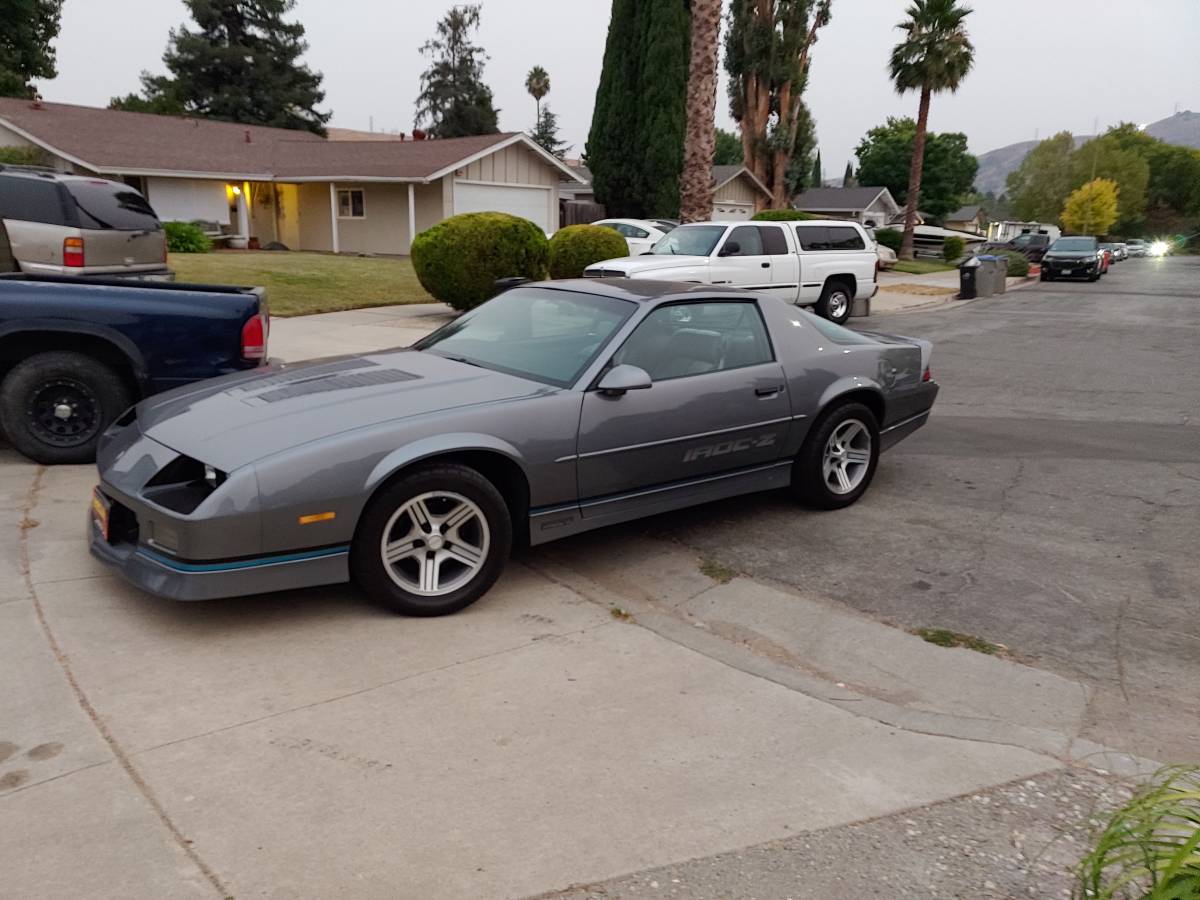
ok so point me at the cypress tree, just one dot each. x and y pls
(635, 146)
(817, 173)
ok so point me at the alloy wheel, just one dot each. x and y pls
(435, 543)
(847, 457)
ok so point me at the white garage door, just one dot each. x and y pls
(528, 203)
(731, 212)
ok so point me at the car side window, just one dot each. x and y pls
(32, 200)
(812, 237)
(697, 339)
(773, 241)
(845, 238)
(635, 232)
(748, 239)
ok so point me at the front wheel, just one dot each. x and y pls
(432, 542)
(835, 301)
(54, 406)
(838, 459)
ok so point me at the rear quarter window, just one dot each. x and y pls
(32, 200)
(813, 237)
(106, 205)
(845, 239)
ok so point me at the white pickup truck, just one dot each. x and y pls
(828, 264)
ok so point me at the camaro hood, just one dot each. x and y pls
(230, 421)
(634, 265)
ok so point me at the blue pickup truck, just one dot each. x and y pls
(75, 353)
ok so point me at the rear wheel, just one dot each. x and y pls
(835, 301)
(432, 542)
(838, 459)
(54, 406)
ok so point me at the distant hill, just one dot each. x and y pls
(994, 166)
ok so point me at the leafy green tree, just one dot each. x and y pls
(1104, 157)
(242, 64)
(546, 134)
(935, 55)
(1092, 207)
(885, 160)
(537, 83)
(1038, 187)
(635, 146)
(26, 29)
(729, 149)
(453, 99)
(767, 51)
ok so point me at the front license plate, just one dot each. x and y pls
(1068, 271)
(100, 507)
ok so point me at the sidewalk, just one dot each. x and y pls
(899, 292)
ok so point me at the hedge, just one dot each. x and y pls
(781, 215)
(459, 259)
(890, 238)
(953, 248)
(1018, 263)
(186, 237)
(574, 248)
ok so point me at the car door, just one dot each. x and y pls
(718, 403)
(814, 260)
(741, 260)
(785, 263)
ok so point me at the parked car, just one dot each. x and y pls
(1121, 249)
(76, 353)
(1106, 258)
(1114, 250)
(1031, 245)
(665, 224)
(830, 265)
(640, 234)
(61, 224)
(1073, 257)
(550, 410)
(1137, 247)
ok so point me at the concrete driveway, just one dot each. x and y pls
(615, 704)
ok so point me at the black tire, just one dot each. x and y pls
(1046, 277)
(808, 476)
(40, 384)
(373, 575)
(833, 289)
(1095, 276)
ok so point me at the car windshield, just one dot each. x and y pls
(546, 335)
(690, 240)
(1073, 245)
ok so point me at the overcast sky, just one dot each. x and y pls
(1041, 65)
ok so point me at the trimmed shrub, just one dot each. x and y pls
(459, 259)
(24, 156)
(953, 248)
(781, 215)
(574, 248)
(890, 238)
(1018, 263)
(186, 237)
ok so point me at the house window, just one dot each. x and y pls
(350, 204)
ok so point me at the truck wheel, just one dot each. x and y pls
(54, 406)
(835, 301)
(432, 542)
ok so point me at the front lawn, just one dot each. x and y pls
(299, 284)
(922, 266)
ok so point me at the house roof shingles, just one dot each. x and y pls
(837, 198)
(965, 214)
(376, 159)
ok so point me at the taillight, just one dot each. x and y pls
(928, 376)
(73, 252)
(254, 338)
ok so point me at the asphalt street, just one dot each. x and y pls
(1052, 503)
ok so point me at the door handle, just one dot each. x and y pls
(765, 265)
(768, 391)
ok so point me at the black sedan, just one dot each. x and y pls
(1073, 257)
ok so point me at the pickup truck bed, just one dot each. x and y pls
(75, 353)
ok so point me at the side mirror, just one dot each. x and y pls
(731, 248)
(619, 379)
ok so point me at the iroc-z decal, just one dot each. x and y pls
(746, 443)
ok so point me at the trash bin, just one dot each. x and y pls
(989, 268)
(968, 278)
(1000, 285)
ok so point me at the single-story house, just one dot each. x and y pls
(870, 206)
(297, 188)
(971, 219)
(737, 194)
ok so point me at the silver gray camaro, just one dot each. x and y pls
(552, 409)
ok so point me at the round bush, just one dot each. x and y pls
(890, 238)
(781, 215)
(459, 259)
(1018, 263)
(574, 248)
(186, 237)
(953, 248)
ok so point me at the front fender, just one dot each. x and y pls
(437, 445)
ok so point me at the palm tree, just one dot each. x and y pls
(700, 142)
(935, 55)
(537, 82)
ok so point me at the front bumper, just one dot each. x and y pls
(174, 579)
(1078, 268)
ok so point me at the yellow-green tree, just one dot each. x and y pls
(1092, 208)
